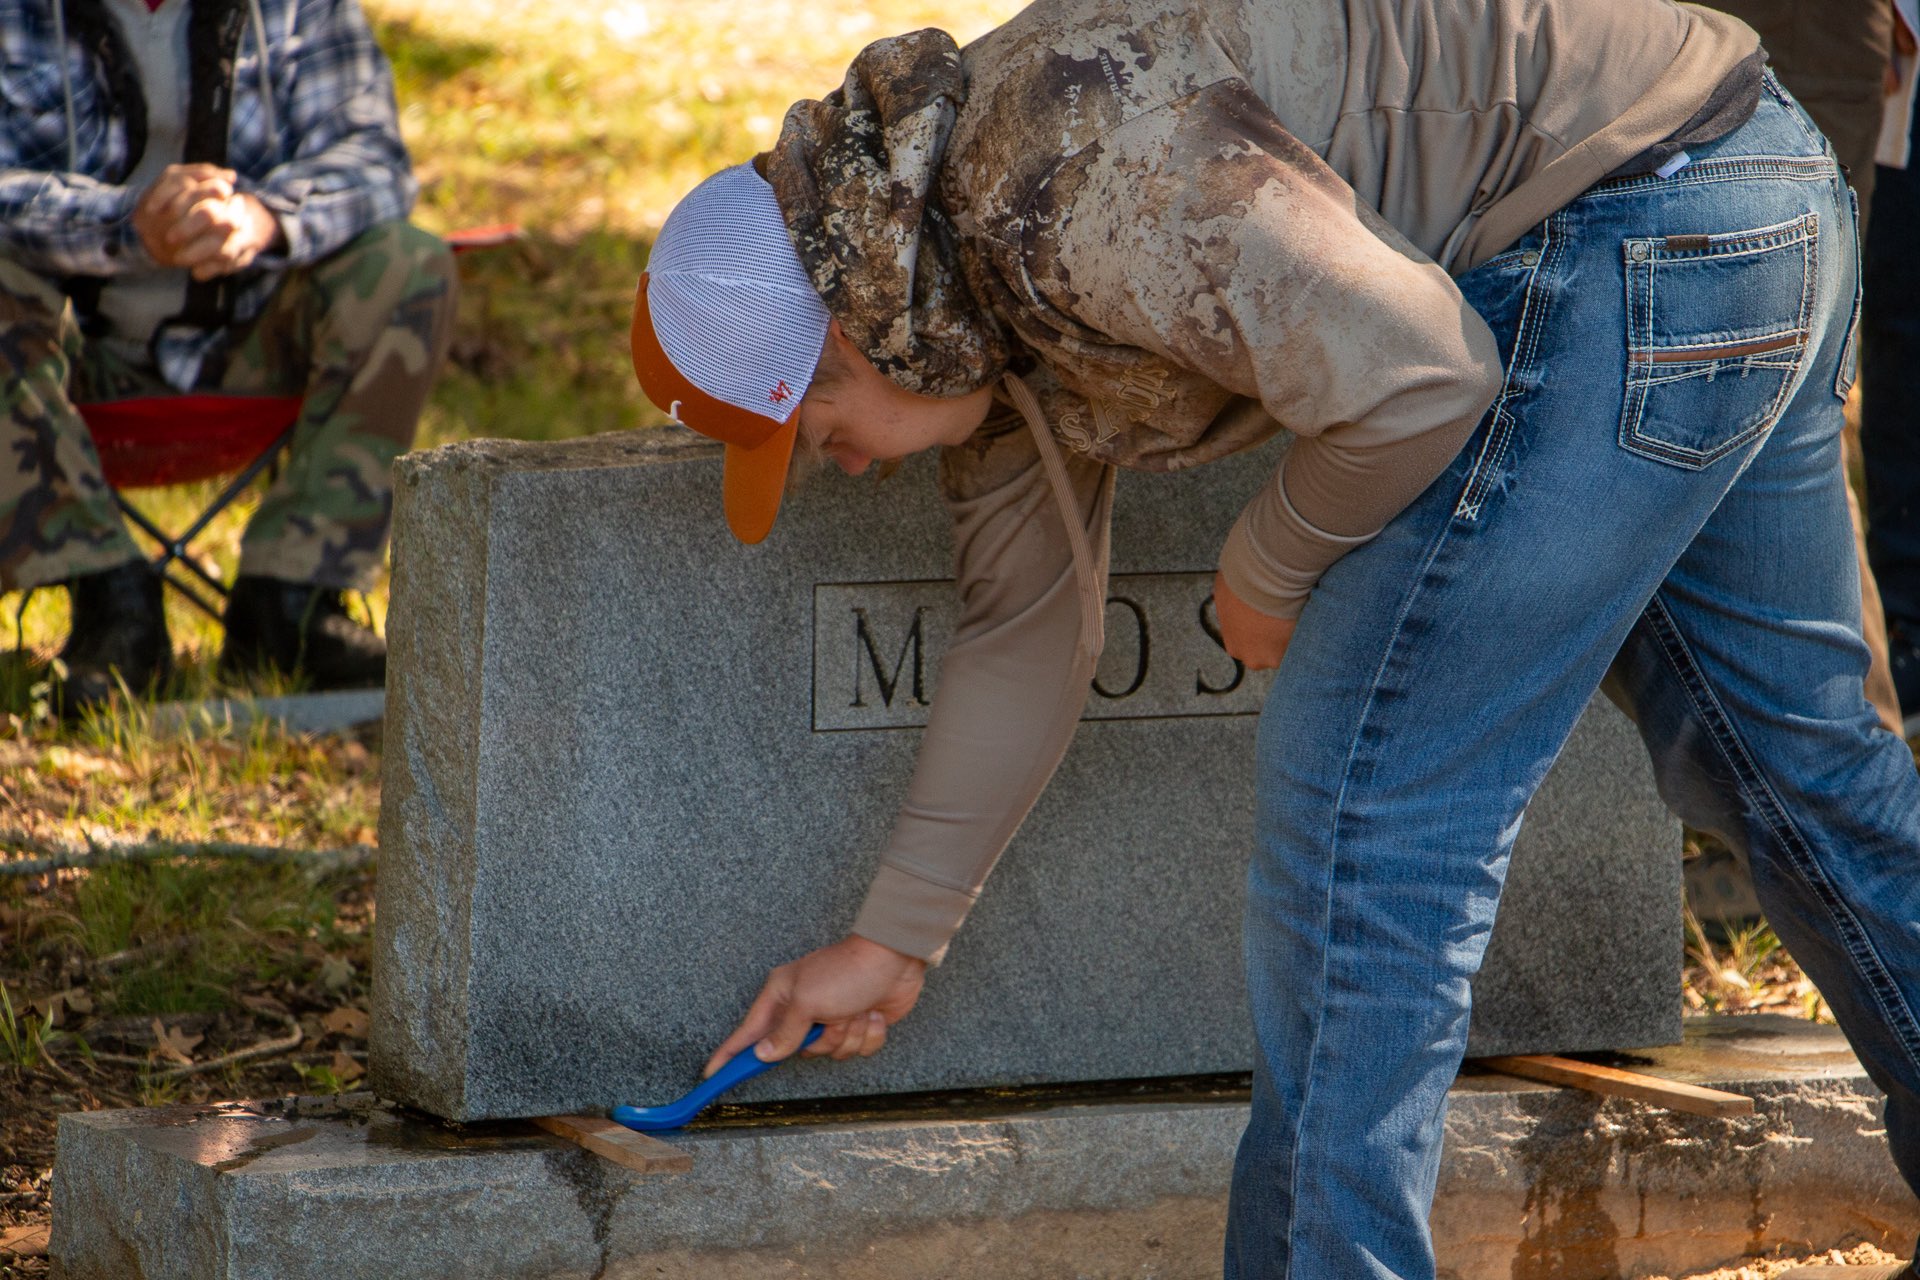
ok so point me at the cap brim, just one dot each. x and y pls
(759, 449)
(754, 480)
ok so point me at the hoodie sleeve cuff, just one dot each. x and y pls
(913, 916)
(1273, 557)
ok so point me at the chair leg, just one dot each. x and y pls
(201, 603)
(268, 456)
(174, 550)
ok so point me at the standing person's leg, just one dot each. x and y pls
(1890, 416)
(362, 334)
(1831, 55)
(58, 519)
(1656, 331)
(1742, 683)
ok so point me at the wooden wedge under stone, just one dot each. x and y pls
(1671, 1094)
(623, 1146)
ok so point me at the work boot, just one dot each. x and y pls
(1844, 1271)
(119, 629)
(299, 629)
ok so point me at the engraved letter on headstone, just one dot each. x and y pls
(911, 660)
(877, 648)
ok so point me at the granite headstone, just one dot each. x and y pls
(631, 765)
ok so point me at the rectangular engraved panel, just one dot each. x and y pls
(877, 649)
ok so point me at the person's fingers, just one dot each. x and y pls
(213, 213)
(789, 1029)
(196, 170)
(190, 194)
(753, 1027)
(206, 250)
(876, 1034)
(854, 1035)
(852, 1032)
(235, 254)
(172, 204)
(831, 1038)
(859, 1036)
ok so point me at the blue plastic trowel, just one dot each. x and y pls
(743, 1066)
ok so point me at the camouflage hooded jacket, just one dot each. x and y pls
(1187, 225)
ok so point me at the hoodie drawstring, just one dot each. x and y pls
(1093, 605)
(266, 74)
(66, 85)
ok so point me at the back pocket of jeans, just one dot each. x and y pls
(1716, 334)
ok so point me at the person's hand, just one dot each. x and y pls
(855, 988)
(1255, 638)
(193, 218)
(178, 188)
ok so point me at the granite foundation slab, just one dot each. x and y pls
(1536, 1184)
(631, 765)
(336, 711)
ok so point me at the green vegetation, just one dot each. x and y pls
(22, 1038)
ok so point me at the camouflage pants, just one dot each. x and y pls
(360, 335)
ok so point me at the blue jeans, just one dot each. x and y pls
(1657, 490)
(1890, 396)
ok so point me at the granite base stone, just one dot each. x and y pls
(631, 765)
(1536, 1183)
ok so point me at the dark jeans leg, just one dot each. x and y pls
(1890, 393)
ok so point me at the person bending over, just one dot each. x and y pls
(1552, 299)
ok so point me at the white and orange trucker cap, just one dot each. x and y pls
(727, 332)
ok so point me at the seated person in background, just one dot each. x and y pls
(208, 196)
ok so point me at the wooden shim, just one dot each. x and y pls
(1673, 1095)
(616, 1142)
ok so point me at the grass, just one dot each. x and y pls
(1742, 968)
(22, 1036)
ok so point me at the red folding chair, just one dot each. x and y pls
(148, 442)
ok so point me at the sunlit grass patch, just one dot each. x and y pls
(117, 780)
(601, 116)
(1742, 968)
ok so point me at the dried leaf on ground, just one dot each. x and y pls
(345, 1069)
(336, 972)
(346, 1021)
(53, 1007)
(29, 1241)
(173, 1043)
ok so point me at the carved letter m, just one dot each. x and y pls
(889, 683)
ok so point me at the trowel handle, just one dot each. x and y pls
(744, 1066)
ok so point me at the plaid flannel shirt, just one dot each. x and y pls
(334, 166)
